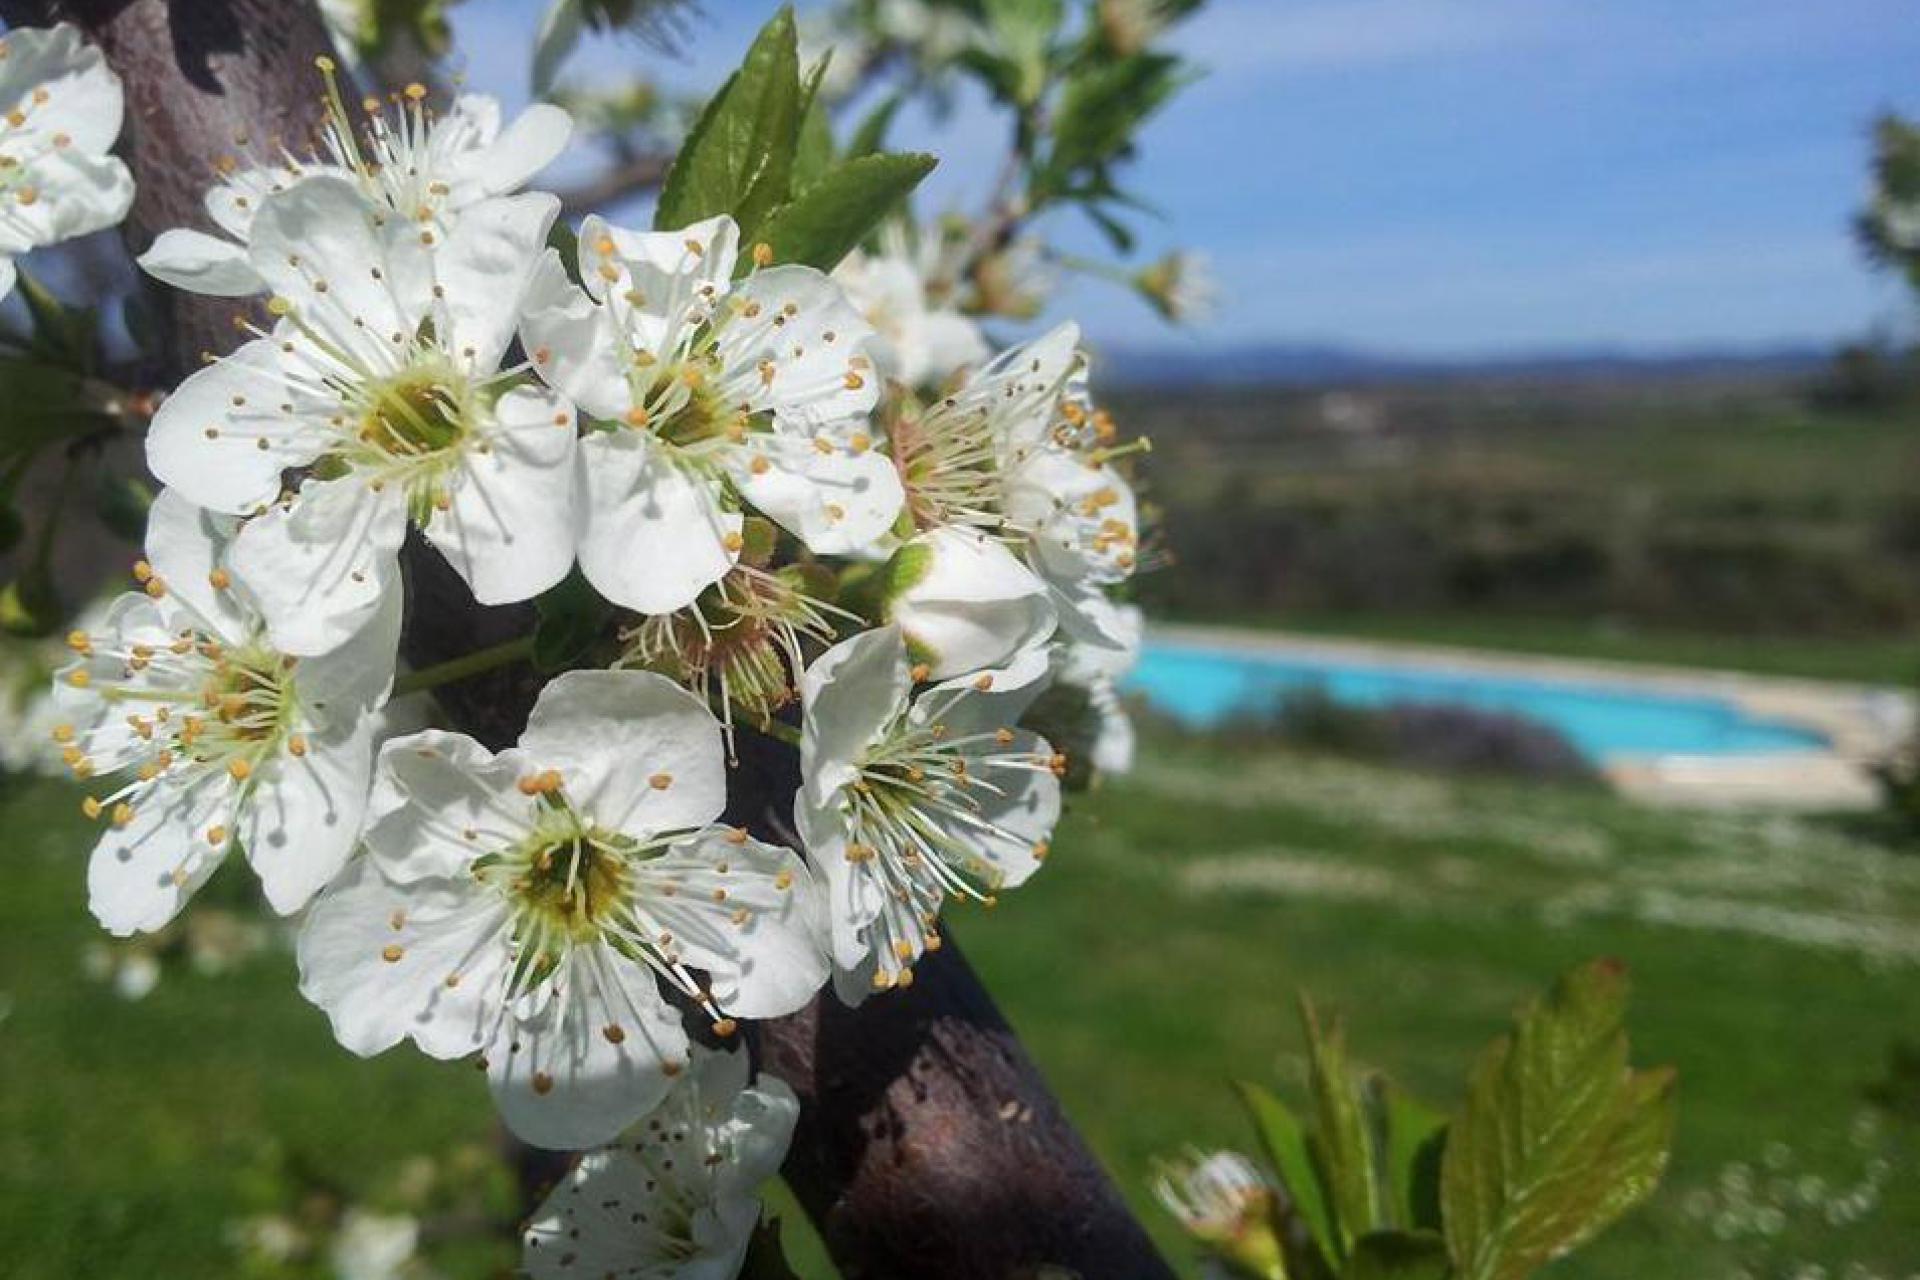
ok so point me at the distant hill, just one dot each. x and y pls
(1309, 364)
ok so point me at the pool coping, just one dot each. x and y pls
(1861, 723)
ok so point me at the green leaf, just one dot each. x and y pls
(41, 404)
(813, 149)
(872, 133)
(63, 336)
(1102, 108)
(825, 222)
(565, 241)
(30, 604)
(572, 617)
(738, 157)
(1024, 32)
(1413, 1138)
(1558, 1135)
(122, 503)
(1341, 1143)
(1285, 1143)
(1397, 1255)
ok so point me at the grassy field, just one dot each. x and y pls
(1775, 963)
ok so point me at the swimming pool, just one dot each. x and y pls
(1202, 686)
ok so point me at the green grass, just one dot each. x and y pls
(1154, 961)
(1889, 660)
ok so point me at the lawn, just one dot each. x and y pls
(1154, 961)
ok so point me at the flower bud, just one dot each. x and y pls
(964, 602)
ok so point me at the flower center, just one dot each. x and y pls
(414, 415)
(569, 880)
(948, 457)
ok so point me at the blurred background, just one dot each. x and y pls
(1535, 422)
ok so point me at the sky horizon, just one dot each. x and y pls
(1458, 178)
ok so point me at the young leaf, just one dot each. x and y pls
(1411, 1149)
(1398, 1255)
(1103, 106)
(766, 1254)
(872, 133)
(738, 157)
(1341, 1144)
(1024, 32)
(813, 149)
(1285, 1144)
(1558, 1135)
(824, 222)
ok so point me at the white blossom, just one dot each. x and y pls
(965, 602)
(418, 166)
(709, 392)
(1016, 453)
(1097, 669)
(60, 112)
(374, 1246)
(921, 343)
(531, 906)
(906, 799)
(226, 739)
(383, 379)
(679, 1195)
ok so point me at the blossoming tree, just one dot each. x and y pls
(734, 556)
(746, 576)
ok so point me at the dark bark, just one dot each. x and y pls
(929, 1145)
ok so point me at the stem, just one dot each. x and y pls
(778, 730)
(468, 664)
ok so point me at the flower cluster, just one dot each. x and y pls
(798, 497)
(60, 110)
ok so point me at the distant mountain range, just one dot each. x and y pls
(1310, 364)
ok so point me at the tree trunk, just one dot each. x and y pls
(929, 1146)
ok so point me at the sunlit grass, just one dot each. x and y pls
(1155, 960)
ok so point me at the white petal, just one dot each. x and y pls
(1023, 805)
(78, 194)
(572, 1085)
(577, 347)
(317, 244)
(852, 897)
(816, 380)
(342, 684)
(303, 813)
(320, 565)
(200, 263)
(670, 269)
(142, 873)
(764, 963)
(484, 268)
(509, 530)
(186, 545)
(533, 141)
(376, 957)
(1083, 516)
(953, 342)
(639, 753)
(238, 400)
(439, 801)
(825, 493)
(9, 276)
(849, 694)
(652, 535)
(84, 99)
(967, 602)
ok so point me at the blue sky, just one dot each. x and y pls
(1467, 176)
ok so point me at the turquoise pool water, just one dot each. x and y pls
(1204, 686)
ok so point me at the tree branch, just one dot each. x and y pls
(929, 1145)
(622, 181)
